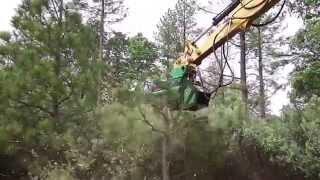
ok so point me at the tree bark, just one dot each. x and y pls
(184, 25)
(58, 59)
(262, 103)
(243, 72)
(167, 118)
(102, 18)
(100, 77)
(165, 164)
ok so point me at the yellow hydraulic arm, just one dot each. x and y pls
(237, 20)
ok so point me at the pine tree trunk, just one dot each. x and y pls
(262, 103)
(184, 25)
(165, 164)
(243, 71)
(102, 18)
(165, 144)
(58, 59)
(186, 162)
(100, 85)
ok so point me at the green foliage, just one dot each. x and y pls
(131, 59)
(115, 10)
(292, 140)
(48, 83)
(143, 55)
(5, 36)
(306, 44)
(53, 172)
(226, 117)
(307, 9)
(307, 83)
(312, 2)
(124, 125)
(175, 27)
(51, 125)
(227, 112)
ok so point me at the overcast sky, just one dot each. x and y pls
(143, 17)
(6, 12)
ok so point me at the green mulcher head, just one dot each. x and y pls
(178, 92)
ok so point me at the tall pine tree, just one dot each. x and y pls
(176, 27)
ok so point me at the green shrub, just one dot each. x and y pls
(293, 139)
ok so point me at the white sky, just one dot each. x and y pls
(143, 17)
(6, 12)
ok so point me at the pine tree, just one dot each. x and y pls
(102, 14)
(48, 82)
(306, 48)
(262, 45)
(176, 27)
(132, 59)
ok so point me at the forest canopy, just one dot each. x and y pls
(77, 96)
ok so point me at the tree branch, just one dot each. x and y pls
(153, 128)
(34, 106)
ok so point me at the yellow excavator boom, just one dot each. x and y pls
(238, 20)
(236, 17)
